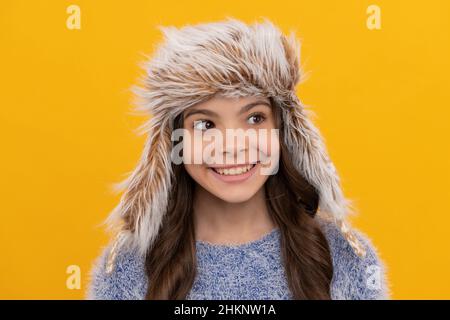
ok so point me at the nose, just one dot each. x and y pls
(235, 148)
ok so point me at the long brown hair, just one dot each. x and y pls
(292, 203)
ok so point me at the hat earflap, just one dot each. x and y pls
(146, 191)
(310, 156)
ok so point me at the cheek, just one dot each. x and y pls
(267, 142)
(269, 151)
(197, 172)
(193, 149)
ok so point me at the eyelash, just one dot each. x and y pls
(263, 118)
(200, 121)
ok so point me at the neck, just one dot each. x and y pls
(217, 220)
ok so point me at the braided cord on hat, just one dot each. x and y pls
(351, 238)
(113, 252)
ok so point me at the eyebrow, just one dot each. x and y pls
(244, 109)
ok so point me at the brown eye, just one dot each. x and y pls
(256, 118)
(203, 125)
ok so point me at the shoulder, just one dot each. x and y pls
(125, 281)
(355, 277)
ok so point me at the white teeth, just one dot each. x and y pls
(233, 171)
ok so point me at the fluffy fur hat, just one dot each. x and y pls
(236, 59)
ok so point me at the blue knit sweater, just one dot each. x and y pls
(247, 271)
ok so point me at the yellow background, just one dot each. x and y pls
(381, 99)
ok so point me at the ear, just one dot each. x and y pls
(146, 190)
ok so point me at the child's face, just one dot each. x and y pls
(233, 146)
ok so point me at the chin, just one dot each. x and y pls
(236, 192)
(234, 196)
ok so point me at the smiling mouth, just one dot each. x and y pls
(235, 170)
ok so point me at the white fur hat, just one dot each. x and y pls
(236, 59)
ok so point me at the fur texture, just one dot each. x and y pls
(233, 59)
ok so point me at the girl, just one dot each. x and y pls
(260, 218)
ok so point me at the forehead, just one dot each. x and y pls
(221, 103)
